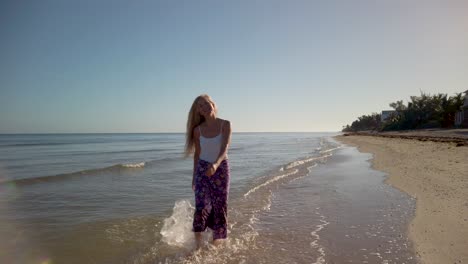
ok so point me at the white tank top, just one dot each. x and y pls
(210, 147)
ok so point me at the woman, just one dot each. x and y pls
(208, 138)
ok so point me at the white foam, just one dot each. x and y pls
(328, 150)
(177, 229)
(300, 162)
(134, 165)
(309, 169)
(270, 181)
(376, 254)
(321, 258)
(267, 206)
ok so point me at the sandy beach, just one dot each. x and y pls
(436, 174)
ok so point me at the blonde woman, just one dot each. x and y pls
(208, 138)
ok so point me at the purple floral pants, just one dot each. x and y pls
(211, 195)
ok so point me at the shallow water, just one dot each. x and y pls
(295, 198)
(341, 212)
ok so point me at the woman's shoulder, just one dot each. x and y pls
(225, 124)
(223, 120)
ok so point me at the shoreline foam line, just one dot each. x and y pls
(276, 178)
(301, 162)
(314, 244)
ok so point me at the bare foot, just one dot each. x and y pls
(198, 240)
(218, 242)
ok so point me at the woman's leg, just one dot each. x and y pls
(198, 239)
(220, 190)
(203, 207)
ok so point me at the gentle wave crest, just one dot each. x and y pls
(330, 150)
(291, 169)
(50, 178)
(270, 181)
(134, 165)
(301, 162)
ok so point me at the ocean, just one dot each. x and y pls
(127, 198)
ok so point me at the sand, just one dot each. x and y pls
(436, 174)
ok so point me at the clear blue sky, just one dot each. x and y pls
(136, 66)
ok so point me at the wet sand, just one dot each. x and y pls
(436, 174)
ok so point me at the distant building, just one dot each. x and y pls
(461, 118)
(386, 114)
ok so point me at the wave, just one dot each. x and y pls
(117, 168)
(50, 178)
(301, 162)
(279, 177)
(134, 165)
(117, 152)
(36, 144)
(290, 170)
(329, 150)
(294, 168)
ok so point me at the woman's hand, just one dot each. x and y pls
(211, 170)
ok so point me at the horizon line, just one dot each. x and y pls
(55, 133)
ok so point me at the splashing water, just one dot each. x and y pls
(177, 229)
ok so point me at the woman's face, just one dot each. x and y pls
(205, 108)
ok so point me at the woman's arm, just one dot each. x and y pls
(196, 154)
(224, 147)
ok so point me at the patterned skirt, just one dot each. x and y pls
(211, 195)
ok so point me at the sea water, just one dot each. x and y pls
(127, 198)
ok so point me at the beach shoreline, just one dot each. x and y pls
(435, 173)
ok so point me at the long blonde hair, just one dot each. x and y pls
(194, 120)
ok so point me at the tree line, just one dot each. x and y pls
(424, 111)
